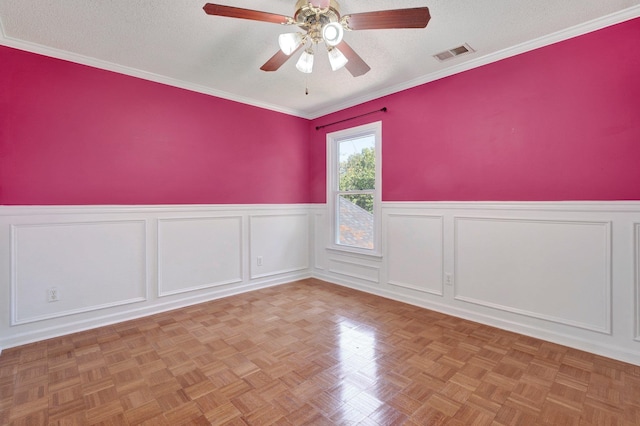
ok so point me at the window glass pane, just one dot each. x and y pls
(357, 163)
(355, 220)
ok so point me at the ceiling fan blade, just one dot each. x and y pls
(356, 66)
(236, 12)
(277, 60)
(417, 17)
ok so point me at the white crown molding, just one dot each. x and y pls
(587, 27)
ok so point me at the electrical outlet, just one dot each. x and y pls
(52, 294)
(448, 279)
(259, 260)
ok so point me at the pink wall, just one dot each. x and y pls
(71, 134)
(558, 123)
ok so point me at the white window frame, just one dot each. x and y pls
(333, 139)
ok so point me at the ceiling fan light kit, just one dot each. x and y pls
(290, 42)
(322, 22)
(332, 34)
(336, 58)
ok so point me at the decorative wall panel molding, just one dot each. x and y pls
(320, 238)
(556, 270)
(197, 253)
(279, 244)
(87, 266)
(354, 269)
(415, 251)
(636, 258)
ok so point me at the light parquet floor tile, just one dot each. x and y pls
(310, 353)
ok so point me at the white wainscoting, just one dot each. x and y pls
(320, 239)
(197, 253)
(92, 265)
(415, 251)
(566, 272)
(280, 244)
(538, 268)
(113, 263)
(636, 262)
(355, 267)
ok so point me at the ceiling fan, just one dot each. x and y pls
(321, 21)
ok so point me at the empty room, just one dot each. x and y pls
(320, 212)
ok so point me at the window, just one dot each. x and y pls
(353, 187)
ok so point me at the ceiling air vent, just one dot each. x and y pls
(452, 53)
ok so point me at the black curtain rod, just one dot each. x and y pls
(351, 118)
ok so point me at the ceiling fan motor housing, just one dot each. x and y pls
(308, 14)
(313, 18)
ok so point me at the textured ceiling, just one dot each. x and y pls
(175, 42)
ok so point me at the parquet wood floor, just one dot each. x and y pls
(311, 353)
